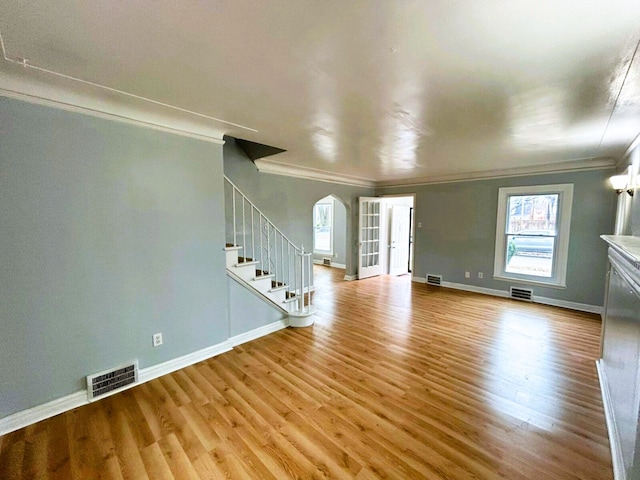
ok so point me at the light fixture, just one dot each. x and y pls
(620, 183)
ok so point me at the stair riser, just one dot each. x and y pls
(277, 297)
(231, 258)
(245, 272)
(263, 285)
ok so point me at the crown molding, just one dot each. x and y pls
(546, 169)
(277, 168)
(624, 160)
(88, 100)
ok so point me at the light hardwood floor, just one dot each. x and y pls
(395, 380)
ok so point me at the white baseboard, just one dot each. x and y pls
(582, 307)
(350, 278)
(473, 288)
(258, 332)
(60, 405)
(334, 265)
(41, 412)
(174, 364)
(612, 430)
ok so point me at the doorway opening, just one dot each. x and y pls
(386, 235)
(330, 232)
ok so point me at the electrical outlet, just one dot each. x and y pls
(157, 339)
(480, 275)
(467, 275)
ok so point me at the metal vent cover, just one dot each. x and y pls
(111, 381)
(524, 294)
(434, 279)
(326, 261)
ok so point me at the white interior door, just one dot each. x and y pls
(369, 238)
(399, 247)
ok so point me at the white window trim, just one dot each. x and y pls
(323, 202)
(561, 253)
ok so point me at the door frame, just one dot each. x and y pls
(387, 226)
(386, 202)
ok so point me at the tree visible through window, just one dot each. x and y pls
(323, 225)
(532, 233)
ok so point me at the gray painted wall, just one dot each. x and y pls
(340, 233)
(108, 234)
(248, 312)
(288, 202)
(459, 227)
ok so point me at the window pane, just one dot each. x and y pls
(530, 255)
(532, 214)
(322, 239)
(323, 215)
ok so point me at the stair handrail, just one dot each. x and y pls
(261, 213)
(281, 255)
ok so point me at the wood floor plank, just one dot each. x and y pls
(59, 467)
(177, 459)
(35, 456)
(394, 380)
(156, 463)
(128, 454)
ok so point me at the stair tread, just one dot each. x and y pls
(263, 277)
(244, 264)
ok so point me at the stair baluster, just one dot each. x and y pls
(276, 257)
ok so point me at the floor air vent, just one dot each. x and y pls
(326, 261)
(111, 381)
(524, 294)
(434, 279)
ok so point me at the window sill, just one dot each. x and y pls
(559, 286)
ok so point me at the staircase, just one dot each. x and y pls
(263, 259)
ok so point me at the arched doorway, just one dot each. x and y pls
(330, 232)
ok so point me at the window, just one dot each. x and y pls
(532, 234)
(323, 227)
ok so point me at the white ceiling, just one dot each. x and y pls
(385, 91)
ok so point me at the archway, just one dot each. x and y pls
(330, 232)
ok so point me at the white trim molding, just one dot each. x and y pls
(258, 332)
(278, 168)
(560, 251)
(612, 430)
(545, 169)
(581, 307)
(42, 412)
(289, 170)
(38, 413)
(92, 101)
(333, 264)
(174, 364)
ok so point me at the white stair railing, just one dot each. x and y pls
(261, 241)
